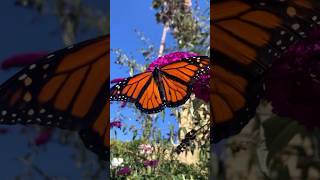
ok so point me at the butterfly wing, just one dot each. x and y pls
(169, 87)
(178, 77)
(141, 89)
(66, 89)
(255, 33)
(246, 37)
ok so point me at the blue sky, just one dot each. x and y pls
(20, 34)
(139, 16)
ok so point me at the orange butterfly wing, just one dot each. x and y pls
(178, 77)
(140, 89)
(66, 89)
(246, 37)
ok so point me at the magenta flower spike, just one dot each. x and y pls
(293, 82)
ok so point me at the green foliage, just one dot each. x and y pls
(278, 132)
(168, 165)
(189, 26)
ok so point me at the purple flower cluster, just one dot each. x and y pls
(169, 58)
(293, 82)
(116, 80)
(151, 163)
(117, 124)
(44, 137)
(201, 88)
(124, 171)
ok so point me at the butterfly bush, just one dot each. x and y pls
(200, 88)
(169, 58)
(293, 83)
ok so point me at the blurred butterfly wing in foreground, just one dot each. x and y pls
(66, 89)
(168, 86)
(246, 38)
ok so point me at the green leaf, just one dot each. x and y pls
(278, 132)
(283, 174)
(163, 115)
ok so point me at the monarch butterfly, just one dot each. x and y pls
(65, 89)
(246, 37)
(166, 86)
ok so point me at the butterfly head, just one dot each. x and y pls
(156, 69)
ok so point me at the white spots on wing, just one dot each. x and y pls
(291, 11)
(30, 112)
(50, 56)
(45, 66)
(22, 77)
(42, 111)
(4, 112)
(295, 26)
(314, 18)
(262, 3)
(32, 66)
(27, 81)
(30, 116)
(291, 38)
(27, 97)
(279, 42)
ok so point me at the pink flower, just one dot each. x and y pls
(22, 59)
(151, 163)
(123, 104)
(4, 130)
(124, 171)
(116, 80)
(145, 149)
(43, 138)
(201, 88)
(117, 124)
(166, 59)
